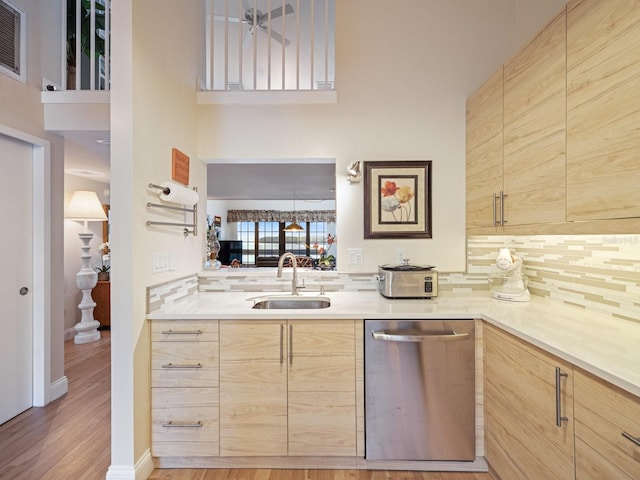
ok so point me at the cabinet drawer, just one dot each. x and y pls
(183, 331)
(184, 415)
(184, 364)
(603, 413)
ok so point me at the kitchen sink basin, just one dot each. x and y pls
(291, 302)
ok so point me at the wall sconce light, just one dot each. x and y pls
(86, 207)
(353, 172)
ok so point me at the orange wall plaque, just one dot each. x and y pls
(179, 166)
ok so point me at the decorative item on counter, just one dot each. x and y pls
(326, 261)
(213, 248)
(510, 286)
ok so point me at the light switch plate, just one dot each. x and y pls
(354, 256)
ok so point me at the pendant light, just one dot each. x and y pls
(293, 226)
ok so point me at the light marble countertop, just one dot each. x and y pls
(605, 346)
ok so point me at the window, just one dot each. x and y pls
(12, 41)
(264, 242)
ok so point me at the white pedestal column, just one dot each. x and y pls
(86, 279)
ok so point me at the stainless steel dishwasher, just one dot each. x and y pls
(420, 390)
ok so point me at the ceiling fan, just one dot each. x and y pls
(257, 20)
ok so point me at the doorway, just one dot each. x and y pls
(39, 271)
(16, 348)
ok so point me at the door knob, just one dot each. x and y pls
(24, 291)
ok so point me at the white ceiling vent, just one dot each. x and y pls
(12, 35)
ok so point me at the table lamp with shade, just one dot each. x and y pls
(86, 206)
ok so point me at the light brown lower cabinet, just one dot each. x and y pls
(607, 429)
(528, 410)
(287, 388)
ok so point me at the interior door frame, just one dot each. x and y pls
(41, 288)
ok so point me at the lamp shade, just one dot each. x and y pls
(85, 205)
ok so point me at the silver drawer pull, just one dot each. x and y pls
(419, 337)
(172, 365)
(628, 436)
(183, 425)
(183, 332)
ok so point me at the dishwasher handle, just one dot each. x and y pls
(400, 336)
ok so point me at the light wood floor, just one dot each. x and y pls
(70, 438)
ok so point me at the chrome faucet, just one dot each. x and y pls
(294, 282)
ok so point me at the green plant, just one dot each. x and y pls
(103, 268)
(85, 30)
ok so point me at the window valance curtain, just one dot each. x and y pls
(281, 216)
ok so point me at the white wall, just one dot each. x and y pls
(153, 109)
(20, 109)
(403, 73)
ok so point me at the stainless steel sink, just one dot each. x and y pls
(291, 302)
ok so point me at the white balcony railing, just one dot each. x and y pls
(270, 45)
(87, 42)
(251, 45)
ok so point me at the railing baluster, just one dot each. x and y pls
(78, 45)
(107, 45)
(313, 39)
(326, 43)
(92, 45)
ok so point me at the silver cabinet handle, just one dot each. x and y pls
(198, 424)
(559, 417)
(182, 332)
(281, 343)
(418, 337)
(502, 197)
(495, 201)
(628, 436)
(290, 344)
(174, 366)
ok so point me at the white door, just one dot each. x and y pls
(16, 322)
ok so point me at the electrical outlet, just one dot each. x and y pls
(354, 256)
(400, 255)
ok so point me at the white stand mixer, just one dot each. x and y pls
(513, 289)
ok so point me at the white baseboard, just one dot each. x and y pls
(140, 471)
(59, 388)
(69, 333)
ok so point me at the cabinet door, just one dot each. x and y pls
(603, 413)
(484, 151)
(535, 129)
(253, 388)
(322, 396)
(522, 438)
(603, 105)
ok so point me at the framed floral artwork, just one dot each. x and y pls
(397, 199)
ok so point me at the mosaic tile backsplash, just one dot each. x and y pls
(596, 272)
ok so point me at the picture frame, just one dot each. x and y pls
(397, 199)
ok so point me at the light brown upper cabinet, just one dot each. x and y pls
(484, 152)
(535, 129)
(603, 109)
